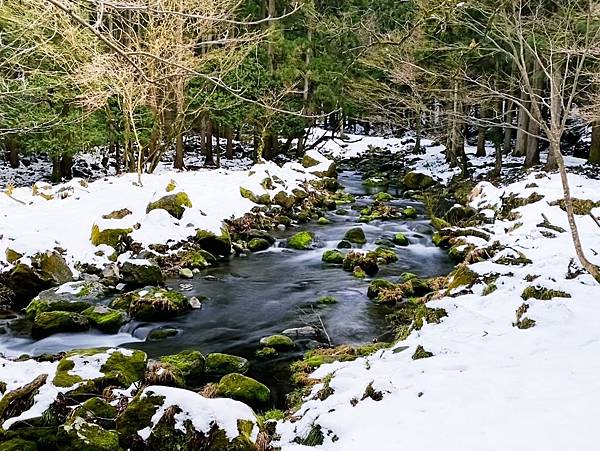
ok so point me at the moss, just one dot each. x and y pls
(359, 273)
(376, 182)
(382, 197)
(48, 323)
(440, 240)
(243, 388)
(333, 257)
(580, 206)
(141, 274)
(409, 212)
(278, 342)
(439, 223)
(400, 239)
(194, 259)
(258, 244)
(118, 214)
(542, 293)
(386, 255)
(137, 416)
(301, 240)
(323, 221)
(489, 289)
(273, 415)
(406, 276)
(111, 237)
(174, 204)
(104, 318)
(44, 305)
(356, 235)
(523, 322)
(266, 353)
(327, 300)
(284, 199)
(162, 334)
(95, 407)
(154, 304)
(62, 378)
(459, 251)
(376, 286)
(417, 181)
(421, 353)
(12, 255)
(218, 364)
(191, 364)
(367, 262)
(461, 276)
(17, 444)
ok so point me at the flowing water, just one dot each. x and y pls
(267, 292)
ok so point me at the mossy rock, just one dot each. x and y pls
(80, 435)
(344, 244)
(582, 207)
(258, 244)
(49, 323)
(118, 214)
(105, 319)
(284, 200)
(218, 364)
(278, 342)
(261, 199)
(406, 276)
(243, 388)
(421, 353)
(323, 221)
(418, 181)
(162, 333)
(359, 273)
(400, 239)
(327, 300)
(355, 235)
(333, 257)
(174, 204)
(409, 212)
(69, 297)
(152, 304)
(376, 286)
(94, 409)
(385, 255)
(114, 238)
(458, 215)
(462, 276)
(141, 273)
(439, 223)
(303, 216)
(48, 269)
(121, 368)
(367, 262)
(190, 363)
(267, 353)
(12, 255)
(218, 245)
(439, 240)
(382, 197)
(542, 293)
(301, 240)
(195, 259)
(137, 416)
(309, 162)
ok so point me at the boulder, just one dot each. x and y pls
(243, 388)
(258, 244)
(377, 286)
(115, 238)
(47, 269)
(195, 258)
(301, 240)
(162, 334)
(218, 364)
(216, 245)
(418, 181)
(400, 239)
(356, 235)
(333, 256)
(78, 434)
(367, 262)
(284, 200)
(141, 273)
(152, 304)
(70, 297)
(278, 342)
(190, 364)
(12, 255)
(382, 197)
(409, 212)
(49, 323)
(261, 199)
(186, 273)
(105, 319)
(174, 204)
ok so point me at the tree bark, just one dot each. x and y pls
(594, 157)
(508, 130)
(522, 127)
(481, 129)
(12, 147)
(229, 147)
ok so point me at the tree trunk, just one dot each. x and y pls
(55, 177)
(179, 151)
(522, 127)
(229, 137)
(594, 157)
(66, 167)
(508, 130)
(532, 153)
(208, 145)
(12, 147)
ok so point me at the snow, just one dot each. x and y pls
(490, 385)
(66, 220)
(202, 412)
(88, 366)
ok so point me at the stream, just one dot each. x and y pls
(263, 294)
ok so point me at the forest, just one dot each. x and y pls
(299, 224)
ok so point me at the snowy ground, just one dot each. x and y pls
(489, 385)
(39, 218)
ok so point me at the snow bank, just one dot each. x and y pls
(46, 217)
(489, 385)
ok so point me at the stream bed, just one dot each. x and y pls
(267, 292)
